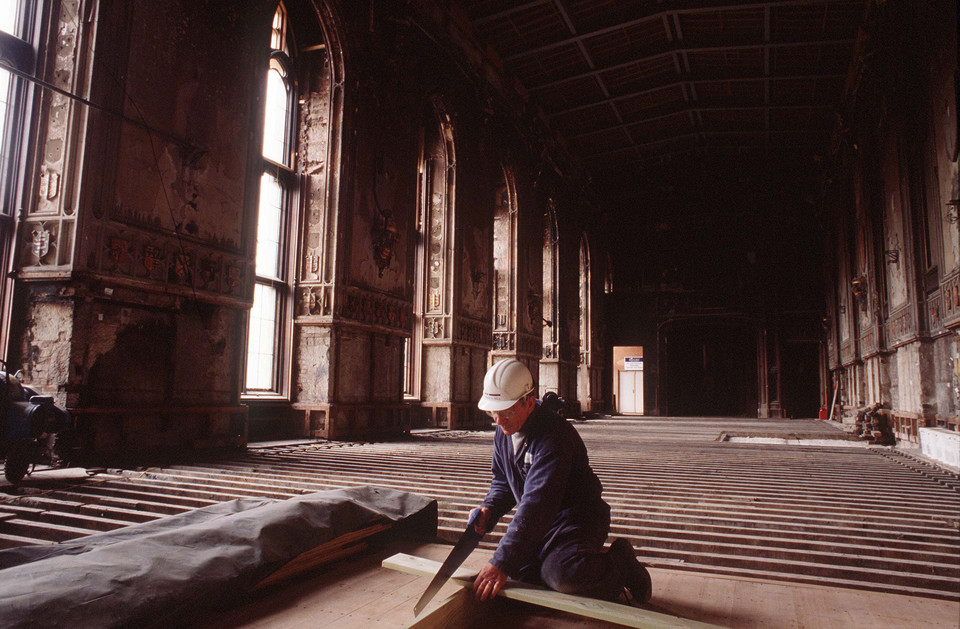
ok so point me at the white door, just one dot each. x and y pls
(631, 392)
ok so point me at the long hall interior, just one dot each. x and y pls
(258, 249)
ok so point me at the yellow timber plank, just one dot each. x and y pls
(339, 547)
(591, 608)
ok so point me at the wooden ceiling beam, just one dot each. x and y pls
(690, 79)
(690, 6)
(499, 15)
(578, 37)
(683, 50)
(701, 149)
(699, 135)
(698, 109)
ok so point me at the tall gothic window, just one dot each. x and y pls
(505, 265)
(17, 19)
(585, 323)
(272, 296)
(550, 283)
(433, 300)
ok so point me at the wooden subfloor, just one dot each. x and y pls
(359, 593)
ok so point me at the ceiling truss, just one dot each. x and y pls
(640, 81)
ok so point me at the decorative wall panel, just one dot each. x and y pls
(868, 343)
(315, 300)
(48, 225)
(520, 343)
(528, 344)
(376, 310)
(934, 310)
(896, 278)
(475, 332)
(950, 301)
(504, 341)
(901, 326)
(436, 262)
(475, 281)
(848, 352)
(163, 261)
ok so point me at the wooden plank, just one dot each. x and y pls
(337, 548)
(421, 567)
(591, 608)
(453, 611)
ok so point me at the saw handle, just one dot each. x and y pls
(475, 519)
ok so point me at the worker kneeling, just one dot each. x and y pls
(540, 465)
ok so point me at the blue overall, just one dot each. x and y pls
(557, 533)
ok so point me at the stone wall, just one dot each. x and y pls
(136, 269)
(896, 152)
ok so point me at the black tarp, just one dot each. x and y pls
(152, 574)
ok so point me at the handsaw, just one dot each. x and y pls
(464, 546)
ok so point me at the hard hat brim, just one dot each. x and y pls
(494, 404)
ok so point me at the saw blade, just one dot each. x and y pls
(464, 546)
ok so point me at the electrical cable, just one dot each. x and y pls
(151, 132)
(89, 103)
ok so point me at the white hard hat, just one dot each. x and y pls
(506, 382)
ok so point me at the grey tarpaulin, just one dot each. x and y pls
(151, 574)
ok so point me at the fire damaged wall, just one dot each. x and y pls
(136, 264)
(45, 334)
(893, 306)
(135, 320)
(394, 309)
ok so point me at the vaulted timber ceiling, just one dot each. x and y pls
(639, 82)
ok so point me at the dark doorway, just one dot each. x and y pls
(709, 368)
(800, 379)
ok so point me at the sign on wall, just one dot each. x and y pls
(633, 363)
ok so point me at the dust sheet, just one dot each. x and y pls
(161, 572)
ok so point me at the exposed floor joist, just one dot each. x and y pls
(870, 518)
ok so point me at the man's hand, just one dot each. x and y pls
(488, 582)
(481, 526)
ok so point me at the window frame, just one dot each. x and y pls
(436, 173)
(17, 50)
(289, 181)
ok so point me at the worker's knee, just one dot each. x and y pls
(574, 573)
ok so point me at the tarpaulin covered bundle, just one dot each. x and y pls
(151, 574)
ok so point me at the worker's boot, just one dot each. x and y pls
(637, 580)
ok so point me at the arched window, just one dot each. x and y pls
(433, 299)
(505, 265)
(583, 392)
(17, 19)
(550, 283)
(551, 378)
(268, 328)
